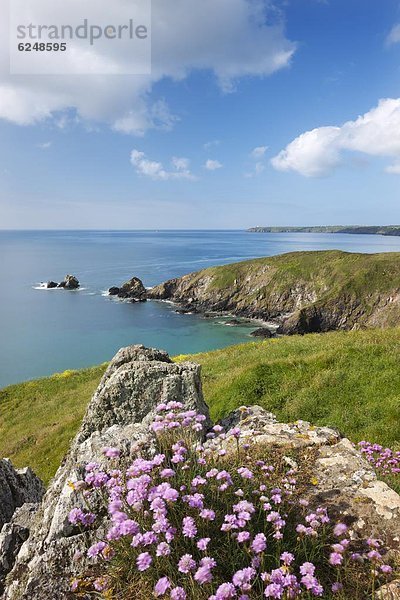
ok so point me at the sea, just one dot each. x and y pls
(46, 331)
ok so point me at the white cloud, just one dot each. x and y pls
(394, 35)
(259, 152)
(212, 144)
(230, 38)
(155, 170)
(393, 169)
(212, 165)
(44, 145)
(318, 152)
(258, 155)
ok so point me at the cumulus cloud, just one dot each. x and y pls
(318, 152)
(230, 38)
(259, 152)
(212, 144)
(212, 165)
(155, 170)
(394, 35)
(258, 155)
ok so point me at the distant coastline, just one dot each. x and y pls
(389, 230)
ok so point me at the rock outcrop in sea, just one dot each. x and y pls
(119, 414)
(133, 290)
(70, 282)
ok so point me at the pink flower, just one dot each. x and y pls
(161, 586)
(335, 558)
(339, 529)
(307, 568)
(207, 514)
(225, 591)
(163, 549)
(189, 528)
(203, 543)
(287, 558)
(186, 564)
(178, 593)
(203, 575)
(259, 543)
(111, 452)
(143, 561)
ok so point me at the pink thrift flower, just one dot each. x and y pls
(189, 528)
(143, 561)
(203, 543)
(178, 593)
(203, 575)
(335, 559)
(186, 564)
(161, 586)
(259, 543)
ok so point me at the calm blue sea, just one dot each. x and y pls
(45, 331)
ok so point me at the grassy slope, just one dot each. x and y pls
(328, 270)
(346, 380)
(39, 418)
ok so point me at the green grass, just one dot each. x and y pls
(347, 380)
(39, 418)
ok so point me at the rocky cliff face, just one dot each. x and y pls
(20, 492)
(301, 292)
(119, 415)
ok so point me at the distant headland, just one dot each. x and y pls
(357, 229)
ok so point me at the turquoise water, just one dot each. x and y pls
(45, 331)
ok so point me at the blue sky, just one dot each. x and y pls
(83, 153)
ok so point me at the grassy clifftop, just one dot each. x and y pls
(304, 291)
(353, 229)
(345, 380)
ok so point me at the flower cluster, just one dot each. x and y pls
(192, 524)
(383, 459)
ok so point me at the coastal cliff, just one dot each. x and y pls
(302, 292)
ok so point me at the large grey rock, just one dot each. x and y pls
(17, 486)
(119, 415)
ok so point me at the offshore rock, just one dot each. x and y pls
(119, 414)
(133, 290)
(70, 283)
